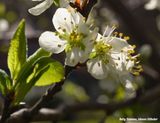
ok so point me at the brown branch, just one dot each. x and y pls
(59, 113)
(29, 114)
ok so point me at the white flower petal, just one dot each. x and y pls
(64, 3)
(108, 31)
(77, 17)
(117, 44)
(72, 57)
(52, 43)
(121, 63)
(97, 69)
(89, 43)
(130, 64)
(118, 60)
(62, 20)
(83, 28)
(99, 38)
(152, 4)
(83, 56)
(4, 25)
(125, 77)
(91, 37)
(40, 8)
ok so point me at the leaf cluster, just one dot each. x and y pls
(39, 69)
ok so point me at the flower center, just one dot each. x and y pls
(102, 48)
(75, 40)
(101, 51)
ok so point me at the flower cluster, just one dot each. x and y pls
(112, 56)
(72, 35)
(107, 55)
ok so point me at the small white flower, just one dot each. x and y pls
(40, 8)
(72, 35)
(152, 4)
(112, 56)
(44, 5)
(4, 25)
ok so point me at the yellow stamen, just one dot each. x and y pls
(120, 35)
(126, 38)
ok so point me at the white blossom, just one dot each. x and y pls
(72, 35)
(41, 7)
(112, 56)
(152, 4)
(44, 5)
(4, 25)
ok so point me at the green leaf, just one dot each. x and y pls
(44, 71)
(5, 83)
(56, 2)
(74, 91)
(17, 51)
(21, 86)
(28, 66)
(23, 89)
(93, 55)
(55, 72)
(120, 94)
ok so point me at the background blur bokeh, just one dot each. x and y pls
(133, 19)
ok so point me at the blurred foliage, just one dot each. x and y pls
(2, 9)
(75, 92)
(10, 16)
